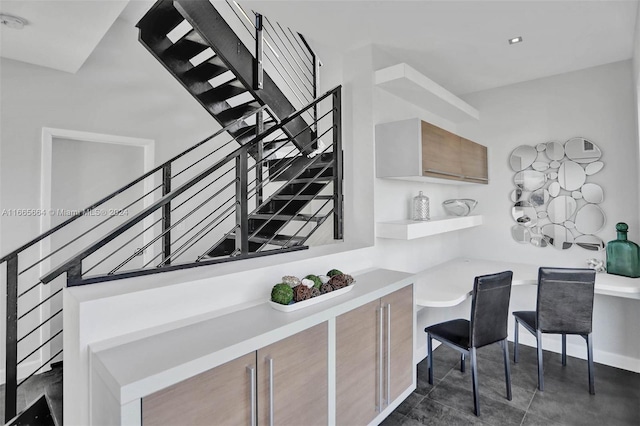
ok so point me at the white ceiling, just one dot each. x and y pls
(59, 34)
(462, 45)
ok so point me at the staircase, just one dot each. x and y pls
(261, 185)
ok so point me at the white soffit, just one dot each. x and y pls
(59, 34)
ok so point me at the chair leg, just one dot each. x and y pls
(592, 384)
(474, 379)
(430, 355)
(507, 367)
(564, 349)
(462, 363)
(539, 345)
(515, 343)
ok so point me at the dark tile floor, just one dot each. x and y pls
(565, 400)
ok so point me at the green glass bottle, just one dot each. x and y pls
(623, 256)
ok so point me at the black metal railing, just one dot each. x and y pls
(167, 220)
(282, 53)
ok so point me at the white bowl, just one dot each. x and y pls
(459, 206)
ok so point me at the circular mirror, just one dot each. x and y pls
(520, 234)
(554, 164)
(542, 215)
(554, 151)
(561, 209)
(569, 225)
(554, 189)
(558, 236)
(516, 195)
(582, 150)
(540, 166)
(530, 180)
(524, 213)
(590, 242)
(539, 198)
(592, 193)
(522, 157)
(576, 195)
(541, 147)
(552, 175)
(589, 219)
(593, 168)
(538, 241)
(571, 176)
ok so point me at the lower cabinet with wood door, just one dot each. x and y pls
(374, 356)
(347, 361)
(286, 386)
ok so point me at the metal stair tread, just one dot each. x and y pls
(222, 92)
(186, 48)
(301, 197)
(227, 116)
(206, 70)
(285, 217)
(277, 240)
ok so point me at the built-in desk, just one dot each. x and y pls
(451, 283)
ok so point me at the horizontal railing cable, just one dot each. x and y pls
(136, 253)
(173, 225)
(39, 347)
(39, 326)
(67, 244)
(44, 364)
(40, 304)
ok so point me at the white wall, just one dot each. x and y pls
(597, 103)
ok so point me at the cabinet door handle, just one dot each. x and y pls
(380, 376)
(484, 179)
(252, 378)
(439, 172)
(388, 353)
(270, 361)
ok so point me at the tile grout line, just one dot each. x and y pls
(535, 391)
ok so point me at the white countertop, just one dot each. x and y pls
(451, 283)
(139, 368)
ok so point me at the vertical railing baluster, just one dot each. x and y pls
(259, 77)
(242, 210)
(338, 205)
(259, 156)
(166, 215)
(11, 362)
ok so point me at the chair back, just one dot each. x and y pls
(565, 300)
(490, 308)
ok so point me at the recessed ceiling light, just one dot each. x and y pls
(515, 40)
(12, 21)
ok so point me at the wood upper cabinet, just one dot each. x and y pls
(440, 152)
(417, 150)
(374, 356)
(473, 160)
(221, 395)
(293, 379)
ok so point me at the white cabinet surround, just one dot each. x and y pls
(131, 371)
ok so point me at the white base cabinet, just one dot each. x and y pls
(348, 361)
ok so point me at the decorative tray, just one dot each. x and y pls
(309, 302)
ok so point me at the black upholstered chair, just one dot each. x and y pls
(489, 315)
(564, 306)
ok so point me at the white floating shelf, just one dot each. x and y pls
(409, 229)
(407, 83)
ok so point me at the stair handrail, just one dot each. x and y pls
(131, 184)
(73, 265)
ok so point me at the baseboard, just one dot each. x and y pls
(24, 370)
(574, 350)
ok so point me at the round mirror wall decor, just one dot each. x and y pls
(555, 201)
